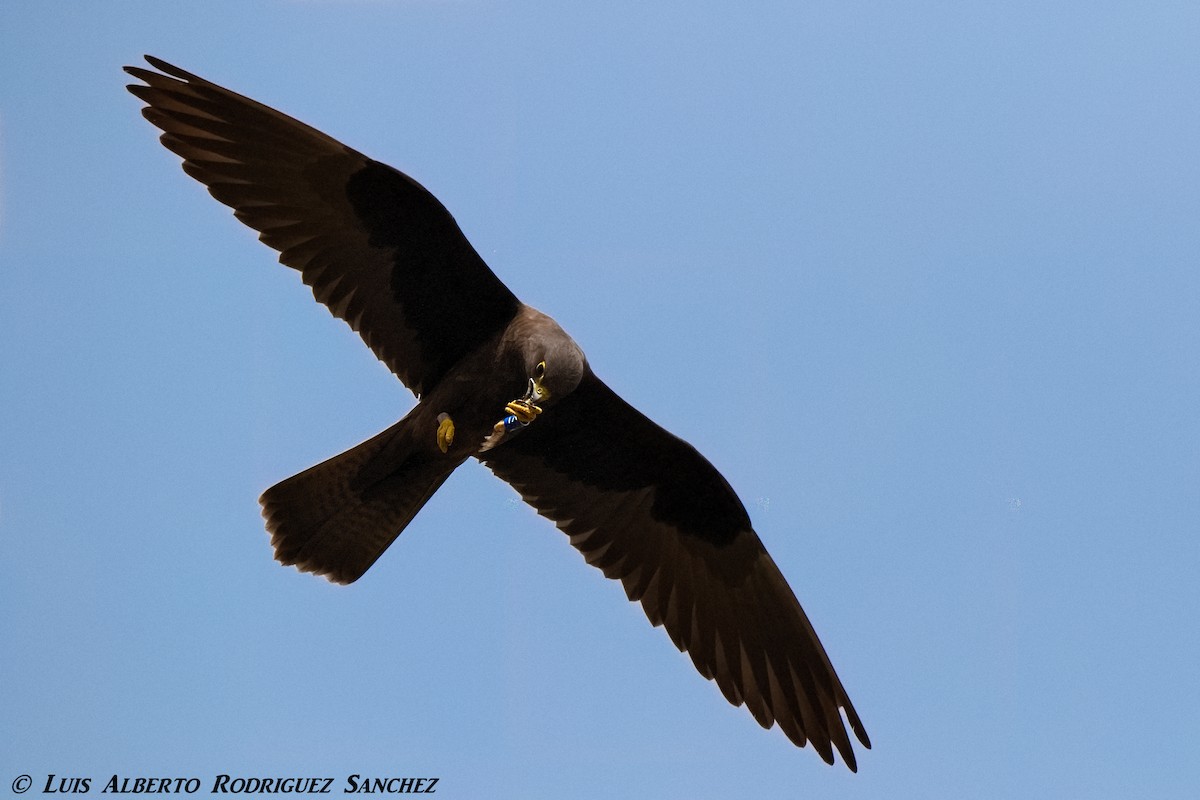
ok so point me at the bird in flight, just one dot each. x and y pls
(501, 382)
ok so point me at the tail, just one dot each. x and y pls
(337, 518)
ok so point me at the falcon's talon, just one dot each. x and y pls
(445, 432)
(523, 410)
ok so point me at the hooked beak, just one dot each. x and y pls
(537, 392)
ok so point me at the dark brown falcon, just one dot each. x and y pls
(502, 382)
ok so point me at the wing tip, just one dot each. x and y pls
(168, 68)
(842, 742)
(164, 69)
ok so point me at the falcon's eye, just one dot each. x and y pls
(539, 371)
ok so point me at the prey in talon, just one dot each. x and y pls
(524, 410)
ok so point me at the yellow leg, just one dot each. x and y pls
(445, 432)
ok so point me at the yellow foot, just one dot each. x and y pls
(445, 432)
(523, 410)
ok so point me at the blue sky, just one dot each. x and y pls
(920, 279)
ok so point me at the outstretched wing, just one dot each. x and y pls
(375, 246)
(646, 508)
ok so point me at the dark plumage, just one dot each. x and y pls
(640, 504)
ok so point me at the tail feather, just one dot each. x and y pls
(337, 518)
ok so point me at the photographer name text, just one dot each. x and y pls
(227, 784)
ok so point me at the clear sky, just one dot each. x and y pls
(921, 279)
